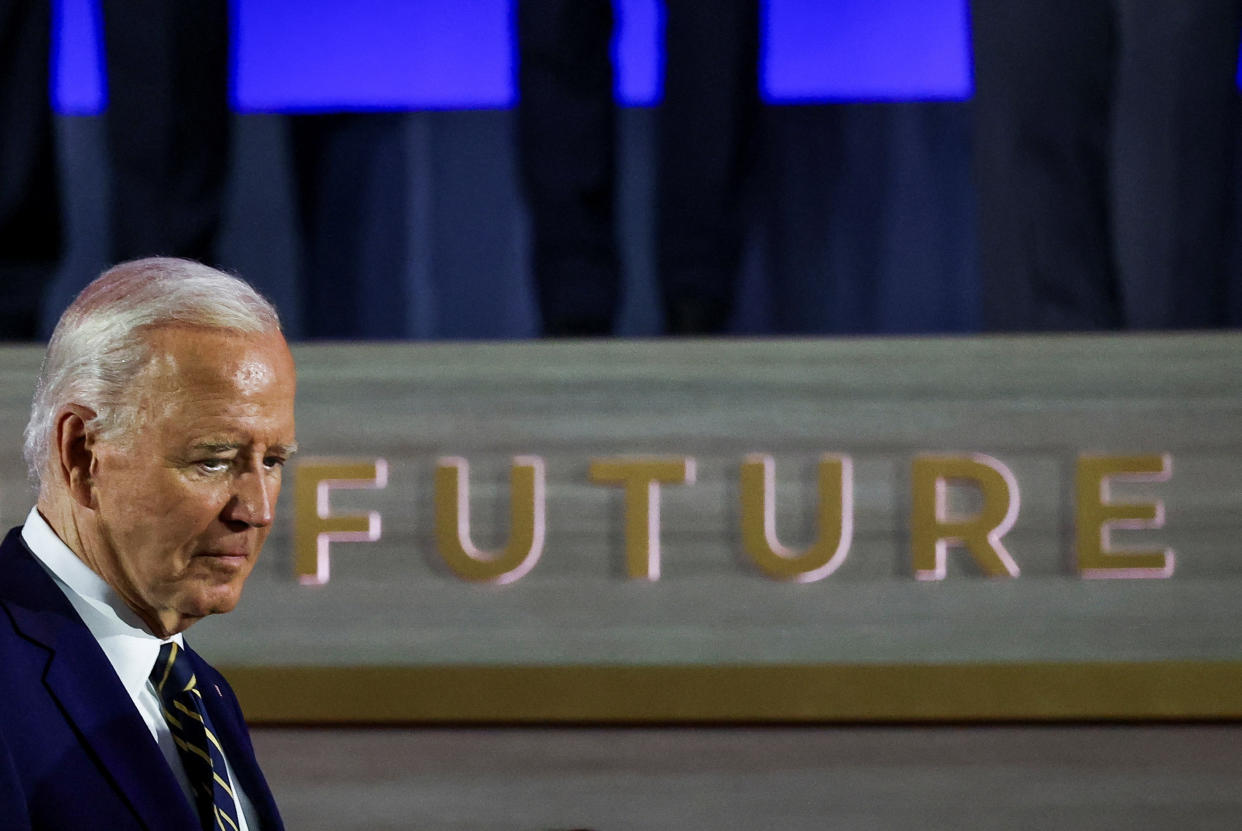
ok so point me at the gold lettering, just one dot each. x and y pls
(526, 522)
(933, 530)
(641, 479)
(1096, 516)
(835, 520)
(314, 526)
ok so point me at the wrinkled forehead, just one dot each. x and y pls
(244, 365)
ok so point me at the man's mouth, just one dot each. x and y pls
(232, 557)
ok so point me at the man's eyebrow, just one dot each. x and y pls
(224, 446)
(216, 446)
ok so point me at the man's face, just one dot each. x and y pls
(183, 505)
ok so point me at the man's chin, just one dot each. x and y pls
(212, 600)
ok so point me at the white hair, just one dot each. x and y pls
(100, 343)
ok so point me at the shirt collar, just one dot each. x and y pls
(129, 647)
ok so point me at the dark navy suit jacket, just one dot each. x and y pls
(74, 752)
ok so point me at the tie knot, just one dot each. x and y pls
(172, 673)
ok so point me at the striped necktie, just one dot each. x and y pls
(196, 742)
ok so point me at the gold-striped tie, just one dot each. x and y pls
(196, 742)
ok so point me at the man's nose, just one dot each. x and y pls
(253, 499)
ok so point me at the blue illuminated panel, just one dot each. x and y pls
(77, 57)
(373, 54)
(846, 50)
(636, 52)
(309, 55)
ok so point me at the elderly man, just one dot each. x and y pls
(160, 426)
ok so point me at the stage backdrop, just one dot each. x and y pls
(852, 529)
(860, 216)
(314, 56)
(860, 219)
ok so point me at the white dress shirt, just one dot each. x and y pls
(130, 648)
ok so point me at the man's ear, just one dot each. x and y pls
(75, 452)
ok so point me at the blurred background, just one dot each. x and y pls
(496, 169)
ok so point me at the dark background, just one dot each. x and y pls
(861, 216)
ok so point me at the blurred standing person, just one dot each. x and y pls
(566, 136)
(31, 240)
(170, 139)
(168, 124)
(1104, 150)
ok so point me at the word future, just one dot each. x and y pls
(934, 528)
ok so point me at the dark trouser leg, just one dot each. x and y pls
(708, 124)
(168, 124)
(30, 211)
(1043, 85)
(1175, 132)
(351, 180)
(566, 142)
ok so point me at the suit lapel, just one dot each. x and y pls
(82, 681)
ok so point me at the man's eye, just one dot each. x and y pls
(273, 462)
(214, 465)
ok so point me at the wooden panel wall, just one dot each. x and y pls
(394, 608)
